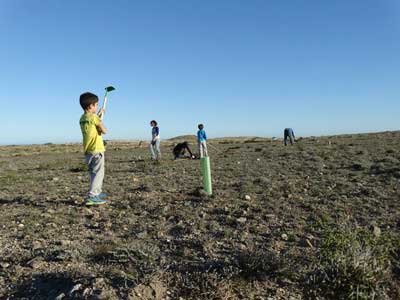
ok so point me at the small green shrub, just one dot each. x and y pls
(352, 263)
(8, 178)
(258, 264)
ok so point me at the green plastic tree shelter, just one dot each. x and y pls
(206, 172)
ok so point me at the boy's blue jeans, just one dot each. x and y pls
(155, 150)
(95, 163)
(290, 138)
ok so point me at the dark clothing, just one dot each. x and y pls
(288, 133)
(155, 132)
(180, 149)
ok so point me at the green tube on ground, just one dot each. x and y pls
(206, 172)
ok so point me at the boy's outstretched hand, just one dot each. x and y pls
(101, 112)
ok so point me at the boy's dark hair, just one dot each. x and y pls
(86, 99)
(153, 121)
(200, 126)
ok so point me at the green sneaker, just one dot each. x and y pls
(102, 196)
(94, 201)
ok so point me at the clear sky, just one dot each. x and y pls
(241, 67)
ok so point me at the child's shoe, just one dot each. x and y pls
(102, 196)
(94, 200)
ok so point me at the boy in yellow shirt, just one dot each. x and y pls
(92, 128)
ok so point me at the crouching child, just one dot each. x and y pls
(180, 150)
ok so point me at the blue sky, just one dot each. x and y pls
(241, 67)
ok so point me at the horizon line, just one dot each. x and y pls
(191, 135)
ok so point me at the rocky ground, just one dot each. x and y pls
(319, 220)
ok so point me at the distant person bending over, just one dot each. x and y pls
(180, 150)
(288, 133)
(202, 140)
(92, 128)
(155, 141)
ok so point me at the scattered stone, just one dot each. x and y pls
(76, 287)
(56, 179)
(103, 294)
(60, 297)
(95, 225)
(65, 242)
(203, 193)
(4, 265)
(54, 225)
(45, 215)
(310, 236)
(87, 292)
(36, 245)
(284, 236)
(35, 263)
(199, 192)
(154, 291)
(159, 289)
(247, 197)
(88, 212)
(21, 226)
(99, 281)
(243, 246)
(376, 231)
(242, 220)
(142, 234)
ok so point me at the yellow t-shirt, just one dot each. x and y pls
(92, 140)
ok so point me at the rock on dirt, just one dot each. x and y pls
(376, 231)
(35, 263)
(60, 297)
(154, 291)
(75, 288)
(4, 265)
(241, 220)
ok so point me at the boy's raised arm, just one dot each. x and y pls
(101, 128)
(101, 112)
